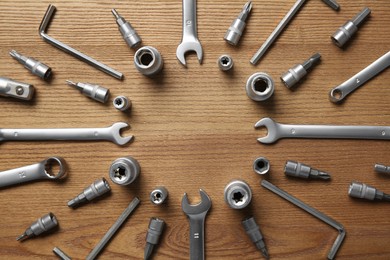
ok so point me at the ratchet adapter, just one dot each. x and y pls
(95, 92)
(237, 194)
(148, 61)
(155, 229)
(35, 67)
(128, 33)
(159, 195)
(237, 27)
(43, 224)
(253, 231)
(96, 189)
(300, 170)
(124, 171)
(15, 89)
(363, 191)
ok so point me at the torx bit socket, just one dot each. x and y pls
(237, 27)
(122, 103)
(35, 67)
(300, 170)
(253, 231)
(43, 224)
(237, 194)
(156, 227)
(96, 189)
(159, 195)
(128, 33)
(381, 168)
(225, 62)
(364, 191)
(16, 89)
(95, 92)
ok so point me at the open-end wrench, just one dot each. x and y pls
(338, 93)
(189, 41)
(277, 131)
(111, 133)
(197, 215)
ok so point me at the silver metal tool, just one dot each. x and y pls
(277, 131)
(159, 195)
(148, 61)
(345, 32)
(122, 103)
(61, 254)
(112, 133)
(338, 93)
(300, 170)
(333, 4)
(237, 194)
(38, 171)
(381, 168)
(363, 191)
(253, 231)
(225, 62)
(124, 170)
(328, 220)
(43, 27)
(237, 27)
(35, 67)
(260, 86)
(190, 41)
(129, 34)
(113, 229)
(96, 189)
(299, 71)
(93, 91)
(261, 165)
(196, 215)
(43, 224)
(155, 229)
(16, 89)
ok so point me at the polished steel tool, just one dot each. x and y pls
(237, 194)
(225, 62)
(260, 86)
(158, 195)
(129, 34)
(253, 231)
(148, 61)
(93, 91)
(261, 165)
(333, 4)
(61, 254)
(155, 229)
(43, 224)
(16, 89)
(237, 27)
(96, 189)
(122, 103)
(35, 67)
(364, 191)
(381, 168)
(300, 170)
(124, 170)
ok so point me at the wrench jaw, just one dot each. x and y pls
(202, 207)
(48, 164)
(115, 131)
(189, 46)
(272, 128)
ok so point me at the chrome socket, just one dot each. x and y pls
(261, 165)
(124, 171)
(121, 103)
(225, 62)
(148, 61)
(96, 189)
(43, 224)
(260, 86)
(93, 91)
(35, 67)
(129, 34)
(159, 195)
(237, 194)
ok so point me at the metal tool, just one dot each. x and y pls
(159, 195)
(253, 231)
(96, 189)
(381, 168)
(122, 103)
(328, 220)
(124, 170)
(38, 171)
(261, 165)
(43, 27)
(148, 61)
(16, 89)
(237, 194)
(300, 170)
(338, 93)
(299, 71)
(225, 62)
(333, 4)
(260, 86)
(93, 91)
(197, 215)
(237, 27)
(35, 67)
(129, 34)
(113, 229)
(363, 191)
(61, 254)
(43, 224)
(111, 133)
(345, 32)
(190, 41)
(277, 131)
(155, 229)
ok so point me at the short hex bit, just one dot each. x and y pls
(300, 170)
(96, 189)
(155, 229)
(43, 224)
(35, 67)
(253, 231)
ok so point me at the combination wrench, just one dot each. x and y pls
(277, 131)
(111, 133)
(338, 93)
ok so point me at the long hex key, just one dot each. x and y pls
(113, 229)
(328, 220)
(75, 53)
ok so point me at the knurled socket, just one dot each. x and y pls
(237, 194)
(148, 61)
(260, 86)
(124, 171)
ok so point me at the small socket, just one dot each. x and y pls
(261, 165)
(238, 194)
(96, 189)
(148, 61)
(35, 67)
(260, 86)
(43, 224)
(124, 171)
(362, 191)
(122, 103)
(159, 195)
(93, 91)
(233, 34)
(128, 33)
(225, 62)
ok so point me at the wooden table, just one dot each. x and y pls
(193, 129)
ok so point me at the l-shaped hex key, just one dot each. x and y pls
(328, 220)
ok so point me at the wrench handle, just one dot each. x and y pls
(22, 174)
(197, 237)
(189, 20)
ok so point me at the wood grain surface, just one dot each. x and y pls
(193, 129)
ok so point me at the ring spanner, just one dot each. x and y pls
(277, 131)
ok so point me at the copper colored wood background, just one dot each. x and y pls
(193, 129)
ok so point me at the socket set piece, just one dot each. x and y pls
(155, 229)
(148, 61)
(43, 224)
(300, 170)
(237, 194)
(363, 191)
(93, 91)
(237, 27)
(261, 165)
(260, 86)
(299, 71)
(16, 89)
(124, 171)
(159, 195)
(225, 62)
(345, 32)
(380, 168)
(35, 67)
(96, 189)
(253, 231)
(61, 254)
(128, 33)
(332, 4)
(122, 103)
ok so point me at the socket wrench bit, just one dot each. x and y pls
(225, 62)
(381, 168)
(35, 67)
(156, 227)
(261, 165)
(260, 86)
(43, 224)
(253, 231)
(237, 194)
(95, 92)
(345, 32)
(299, 71)
(148, 61)
(363, 191)
(96, 189)
(300, 170)
(237, 27)
(128, 33)
(159, 195)
(124, 171)
(122, 103)
(332, 4)
(16, 89)
(61, 254)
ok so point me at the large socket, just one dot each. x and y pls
(124, 171)
(148, 61)
(237, 194)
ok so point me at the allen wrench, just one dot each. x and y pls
(328, 220)
(75, 53)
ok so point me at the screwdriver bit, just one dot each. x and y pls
(382, 168)
(40, 226)
(35, 67)
(128, 33)
(95, 92)
(156, 227)
(363, 191)
(96, 189)
(253, 231)
(300, 170)
(237, 27)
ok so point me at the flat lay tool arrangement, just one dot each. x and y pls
(215, 122)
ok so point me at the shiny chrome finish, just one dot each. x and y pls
(237, 194)
(260, 86)
(16, 89)
(148, 61)
(35, 67)
(124, 171)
